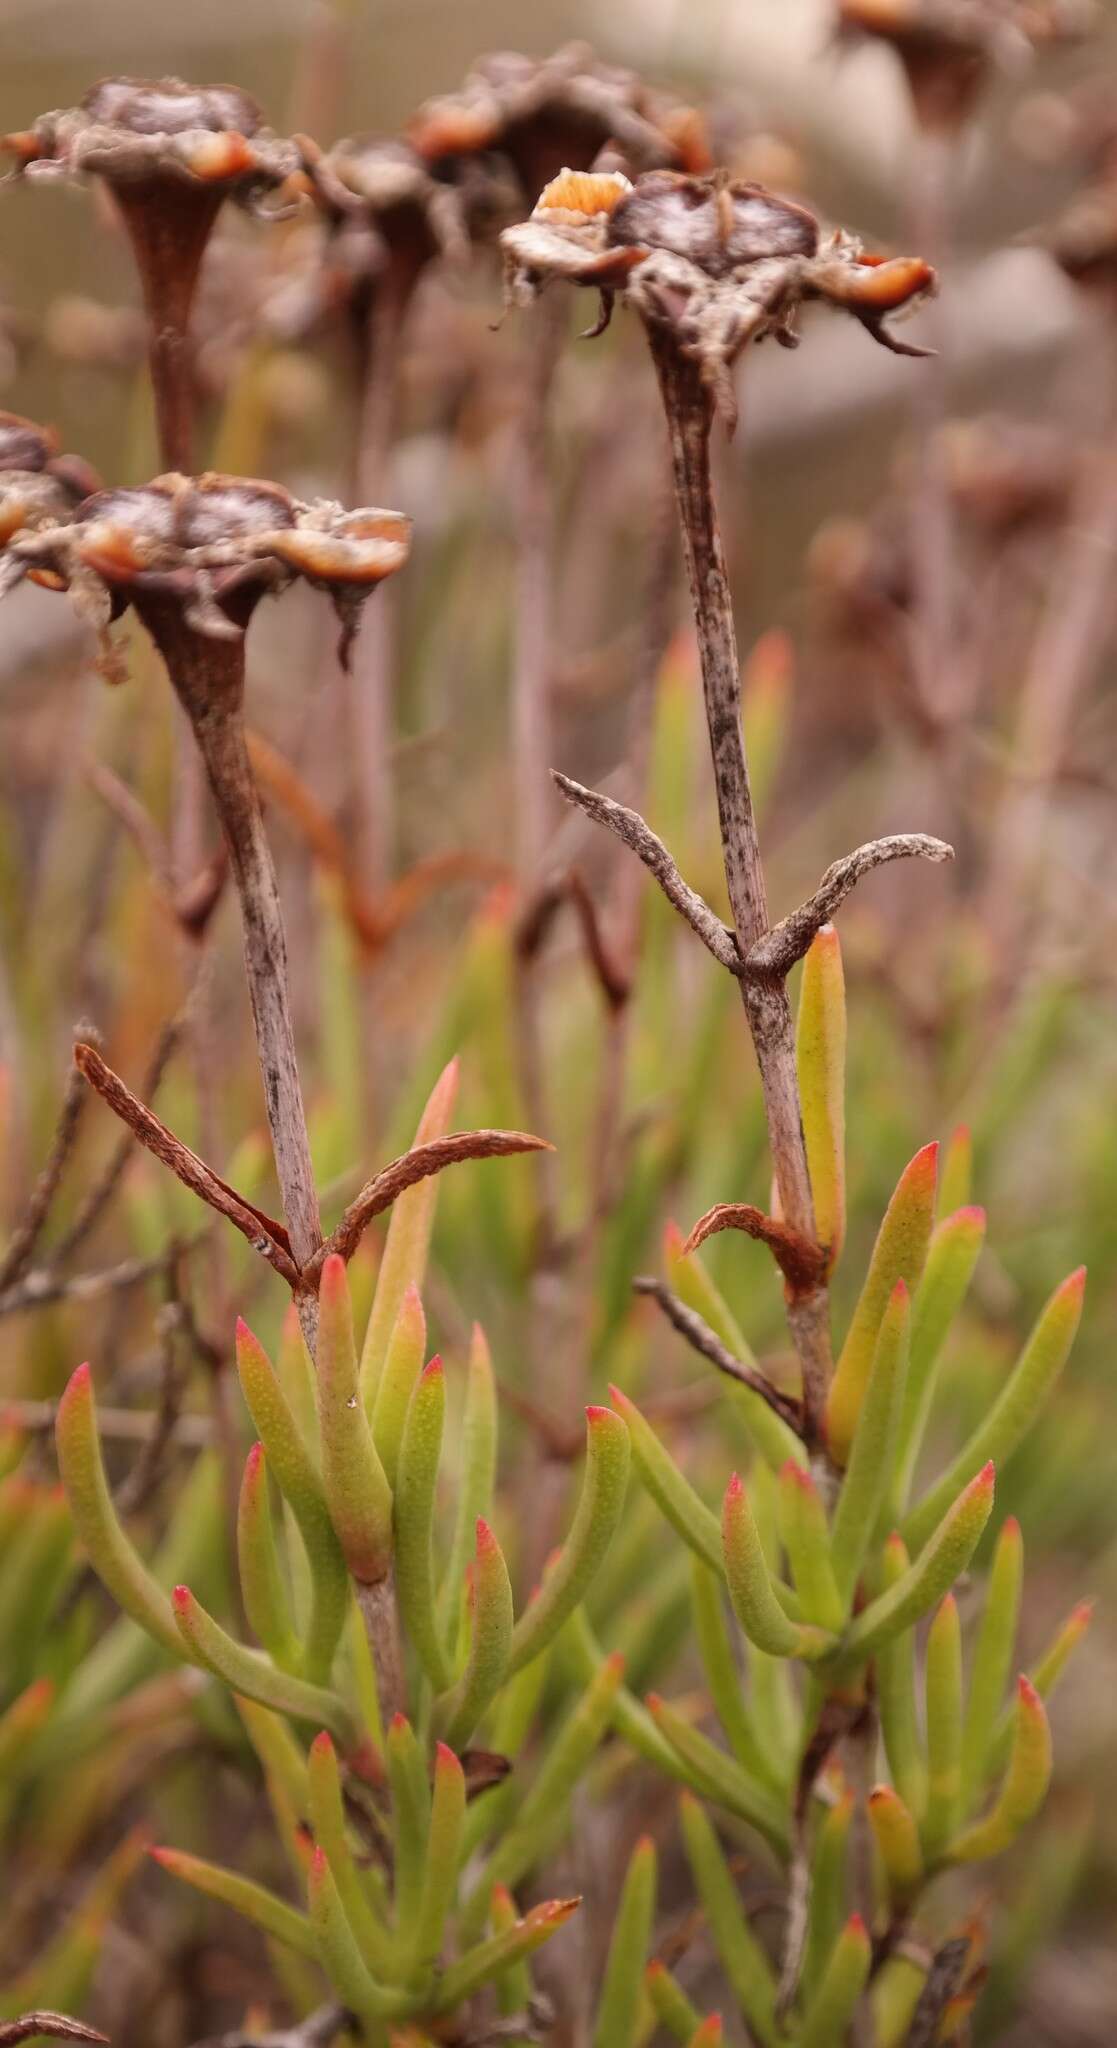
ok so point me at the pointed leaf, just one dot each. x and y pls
(618, 2013)
(940, 1563)
(847, 1973)
(944, 1729)
(416, 1480)
(1016, 1408)
(591, 1532)
(293, 1469)
(742, 1958)
(327, 1819)
(820, 1054)
(407, 1245)
(358, 1496)
(115, 1561)
(248, 1672)
(751, 1589)
(261, 1581)
(992, 1659)
(491, 1622)
(403, 1362)
(1025, 1785)
(871, 1454)
(898, 1254)
(252, 1901)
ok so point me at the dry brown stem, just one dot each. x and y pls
(780, 948)
(688, 406)
(698, 1333)
(629, 827)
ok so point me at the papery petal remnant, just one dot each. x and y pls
(718, 262)
(213, 545)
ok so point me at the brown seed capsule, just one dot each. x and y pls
(209, 548)
(712, 262)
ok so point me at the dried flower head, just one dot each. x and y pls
(37, 484)
(949, 47)
(713, 262)
(170, 153)
(132, 130)
(387, 215)
(207, 549)
(563, 109)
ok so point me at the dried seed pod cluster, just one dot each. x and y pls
(541, 114)
(211, 545)
(132, 131)
(714, 262)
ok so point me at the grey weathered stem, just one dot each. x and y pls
(380, 1616)
(369, 686)
(689, 411)
(208, 675)
(932, 539)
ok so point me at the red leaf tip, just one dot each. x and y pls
(333, 1274)
(734, 1490)
(255, 1459)
(856, 1928)
(798, 1475)
(987, 1476)
(398, 1723)
(597, 1414)
(1027, 1694)
(182, 1599)
(79, 1383)
(322, 1744)
(434, 1369)
(900, 1294)
(1075, 1283)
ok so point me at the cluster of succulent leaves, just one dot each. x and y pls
(406, 1841)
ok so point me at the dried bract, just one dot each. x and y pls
(541, 114)
(714, 262)
(210, 547)
(132, 130)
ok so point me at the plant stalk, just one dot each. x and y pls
(689, 410)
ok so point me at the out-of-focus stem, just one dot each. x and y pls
(532, 752)
(932, 544)
(689, 411)
(369, 684)
(208, 676)
(1067, 643)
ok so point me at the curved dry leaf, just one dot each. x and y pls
(800, 1260)
(56, 2024)
(263, 1232)
(379, 1193)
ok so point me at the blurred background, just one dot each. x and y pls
(924, 558)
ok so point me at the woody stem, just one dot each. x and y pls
(689, 410)
(208, 677)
